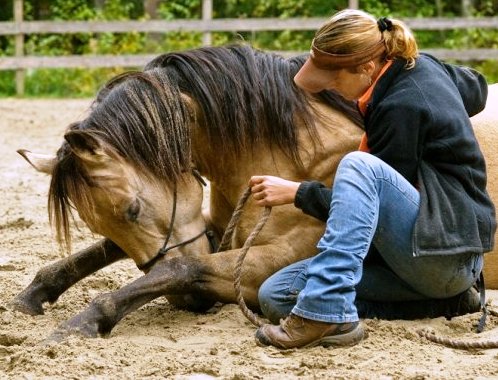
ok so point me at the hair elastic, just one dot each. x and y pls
(384, 24)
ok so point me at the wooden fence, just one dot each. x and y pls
(19, 28)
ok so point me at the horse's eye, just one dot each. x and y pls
(133, 211)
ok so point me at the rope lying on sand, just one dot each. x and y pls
(456, 343)
(430, 335)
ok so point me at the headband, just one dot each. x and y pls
(330, 61)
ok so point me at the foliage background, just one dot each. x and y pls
(84, 82)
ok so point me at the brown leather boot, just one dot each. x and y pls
(295, 332)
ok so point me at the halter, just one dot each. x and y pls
(164, 249)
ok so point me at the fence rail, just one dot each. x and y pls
(138, 60)
(222, 25)
(19, 28)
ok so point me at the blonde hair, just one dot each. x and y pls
(352, 30)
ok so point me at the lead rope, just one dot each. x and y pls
(430, 335)
(226, 244)
(255, 320)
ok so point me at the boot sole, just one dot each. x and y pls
(347, 339)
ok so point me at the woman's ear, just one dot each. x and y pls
(367, 68)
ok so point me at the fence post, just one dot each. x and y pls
(20, 73)
(466, 7)
(207, 15)
(354, 4)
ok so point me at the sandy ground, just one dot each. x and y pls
(158, 341)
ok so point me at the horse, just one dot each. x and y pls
(133, 169)
(485, 126)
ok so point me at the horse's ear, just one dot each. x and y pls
(85, 146)
(41, 162)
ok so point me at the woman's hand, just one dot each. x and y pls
(272, 191)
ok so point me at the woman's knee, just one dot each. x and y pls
(360, 166)
(358, 160)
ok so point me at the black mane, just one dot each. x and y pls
(245, 96)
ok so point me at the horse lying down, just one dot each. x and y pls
(130, 171)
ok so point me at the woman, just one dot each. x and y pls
(412, 201)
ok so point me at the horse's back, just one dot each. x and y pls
(486, 129)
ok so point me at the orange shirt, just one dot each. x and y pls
(363, 101)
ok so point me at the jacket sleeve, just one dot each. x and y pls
(313, 198)
(471, 85)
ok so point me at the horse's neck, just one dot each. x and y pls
(229, 172)
(337, 135)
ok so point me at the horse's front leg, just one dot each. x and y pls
(205, 278)
(53, 280)
(175, 276)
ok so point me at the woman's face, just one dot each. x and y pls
(351, 85)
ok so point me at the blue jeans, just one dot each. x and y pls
(373, 209)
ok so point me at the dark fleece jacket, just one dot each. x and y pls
(418, 122)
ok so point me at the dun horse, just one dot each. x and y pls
(131, 171)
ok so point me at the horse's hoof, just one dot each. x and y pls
(22, 305)
(56, 336)
(67, 329)
(59, 335)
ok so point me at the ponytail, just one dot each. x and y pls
(400, 43)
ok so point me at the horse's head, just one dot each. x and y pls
(125, 176)
(141, 213)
